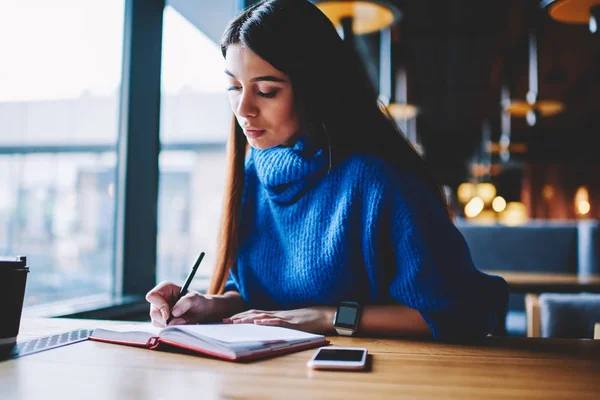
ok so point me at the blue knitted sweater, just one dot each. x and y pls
(366, 230)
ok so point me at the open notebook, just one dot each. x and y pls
(227, 341)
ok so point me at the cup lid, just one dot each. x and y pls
(13, 262)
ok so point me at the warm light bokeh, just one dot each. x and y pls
(499, 204)
(583, 207)
(485, 217)
(465, 192)
(474, 207)
(548, 192)
(486, 191)
(514, 214)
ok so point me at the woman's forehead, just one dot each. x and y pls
(243, 63)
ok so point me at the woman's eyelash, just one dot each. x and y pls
(269, 95)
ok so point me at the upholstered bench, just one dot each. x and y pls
(538, 246)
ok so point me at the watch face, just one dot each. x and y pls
(346, 317)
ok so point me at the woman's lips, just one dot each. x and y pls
(254, 133)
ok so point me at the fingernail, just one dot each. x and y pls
(176, 312)
(165, 315)
(226, 320)
(236, 321)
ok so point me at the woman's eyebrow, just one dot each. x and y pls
(266, 78)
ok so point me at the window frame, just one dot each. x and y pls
(136, 215)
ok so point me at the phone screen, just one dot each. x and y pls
(339, 355)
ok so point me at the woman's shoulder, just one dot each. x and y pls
(395, 187)
(373, 170)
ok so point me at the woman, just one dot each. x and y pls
(329, 203)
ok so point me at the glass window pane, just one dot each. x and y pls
(195, 120)
(53, 209)
(60, 75)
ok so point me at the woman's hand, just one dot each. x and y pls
(193, 308)
(313, 319)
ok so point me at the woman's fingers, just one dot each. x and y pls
(156, 316)
(160, 314)
(185, 304)
(248, 312)
(165, 290)
(191, 308)
(155, 312)
(250, 318)
(252, 312)
(158, 303)
(161, 295)
(179, 321)
(157, 324)
(272, 322)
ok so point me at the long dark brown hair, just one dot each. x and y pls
(335, 102)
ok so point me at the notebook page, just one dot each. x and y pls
(237, 333)
(132, 333)
(149, 328)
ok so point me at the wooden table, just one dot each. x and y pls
(499, 367)
(540, 282)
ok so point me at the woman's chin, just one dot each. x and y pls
(259, 144)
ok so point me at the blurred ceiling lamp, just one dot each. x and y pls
(575, 12)
(393, 96)
(485, 156)
(359, 17)
(545, 108)
(582, 201)
(504, 142)
(496, 148)
(400, 109)
(504, 147)
(582, 194)
(547, 192)
(532, 108)
(583, 207)
(478, 170)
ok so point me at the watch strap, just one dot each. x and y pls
(345, 332)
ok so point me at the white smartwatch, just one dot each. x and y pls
(347, 317)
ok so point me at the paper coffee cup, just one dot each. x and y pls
(13, 278)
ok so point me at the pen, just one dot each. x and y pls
(186, 285)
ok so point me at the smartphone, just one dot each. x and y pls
(345, 358)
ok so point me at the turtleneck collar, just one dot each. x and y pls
(287, 172)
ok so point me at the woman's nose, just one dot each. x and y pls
(247, 107)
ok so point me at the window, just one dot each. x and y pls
(60, 77)
(195, 120)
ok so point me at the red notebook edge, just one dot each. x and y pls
(123, 342)
(254, 356)
(155, 343)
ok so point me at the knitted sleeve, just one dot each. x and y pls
(231, 283)
(432, 267)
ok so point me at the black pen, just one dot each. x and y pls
(186, 285)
